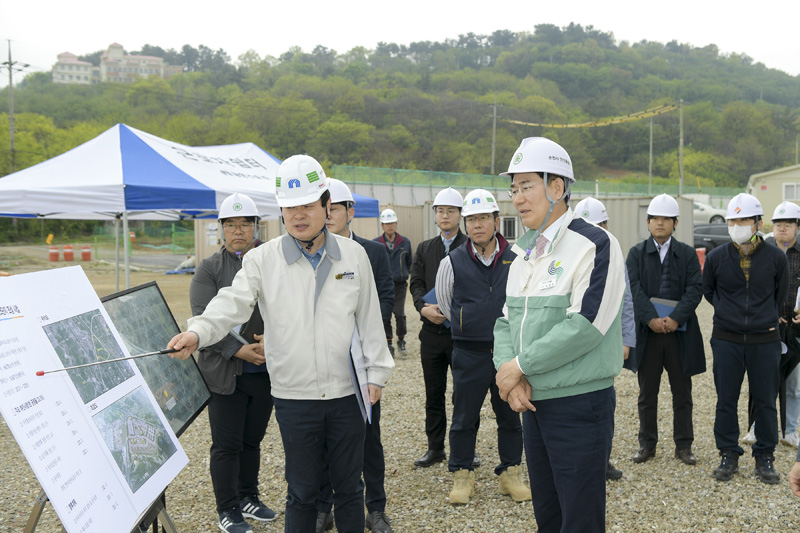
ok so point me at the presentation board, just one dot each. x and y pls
(144, 321)
(96, 439)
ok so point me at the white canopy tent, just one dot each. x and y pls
(125, 174)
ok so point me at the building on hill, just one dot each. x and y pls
(775, 186)
(69, 69)
(115, 66)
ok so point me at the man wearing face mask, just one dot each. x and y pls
(746, 282)
(436, 345)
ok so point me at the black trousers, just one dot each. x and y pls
(788, 363)
(762, 364)
(473, 377)
(399, 311)
(374, 470)
(661, 353)
(436, 353)
(238, 423)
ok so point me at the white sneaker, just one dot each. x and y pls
(750, 438)
(791, 439)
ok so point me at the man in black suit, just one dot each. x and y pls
(341, 214)
(662, 267)
(436, 344)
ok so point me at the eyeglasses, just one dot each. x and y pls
(449, 212)
(512, 193)
(477, 219)
(783, 225)
(244, 226)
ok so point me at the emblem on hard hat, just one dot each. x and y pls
(585, 214)
(518, 158)
(294, 183)
(312, 176)
(782, 211)
(237, 207)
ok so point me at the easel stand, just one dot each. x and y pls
(150, 519)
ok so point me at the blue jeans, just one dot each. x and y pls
(309, 430)
(567, 446)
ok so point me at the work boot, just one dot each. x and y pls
(463, 486)
(401, 345)
(511, 484)
(765, 470)
(728, 466)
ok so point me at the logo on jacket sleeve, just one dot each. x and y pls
(555, 270)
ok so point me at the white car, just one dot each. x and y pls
(705, 214)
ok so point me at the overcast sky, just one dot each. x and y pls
(40, 30)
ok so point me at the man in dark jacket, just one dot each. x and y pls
(746, 281)
(374, 468)
(399, 249)
(436, 345)
(471, 291)
(237, 377)
(668, 333)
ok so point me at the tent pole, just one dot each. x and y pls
(116, 246)
(126, 249)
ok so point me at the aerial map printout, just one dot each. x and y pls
(95, 437)
(146, 325)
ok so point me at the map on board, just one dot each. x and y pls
(86, 338)
(146, 324)
(135, 436)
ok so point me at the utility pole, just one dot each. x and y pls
(650, 166)
(494, 129)
(680, 152)
(10, 66)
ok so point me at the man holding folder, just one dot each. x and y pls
(667, 287)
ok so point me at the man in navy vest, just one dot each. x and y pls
(471, 291)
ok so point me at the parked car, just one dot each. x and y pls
(705, 214)
(709, 236)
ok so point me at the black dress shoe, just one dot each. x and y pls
(430, 458)
(324, 522)
(644, 454)
(612, 473)
(685, 455)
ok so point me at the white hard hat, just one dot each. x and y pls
(479, 201)
(663, 205)
(592, 210)
(786, 211)
(300, 181)
(744, 205)
(388, 216)
(537, 154)
(448, 196)
(340, 192)
(237, 205)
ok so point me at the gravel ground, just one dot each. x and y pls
(662, 494)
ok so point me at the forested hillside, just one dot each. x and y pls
(428, 105)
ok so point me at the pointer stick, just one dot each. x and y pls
(43, 372)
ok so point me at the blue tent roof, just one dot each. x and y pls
(366, 207)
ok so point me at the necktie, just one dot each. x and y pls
(541, 244)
